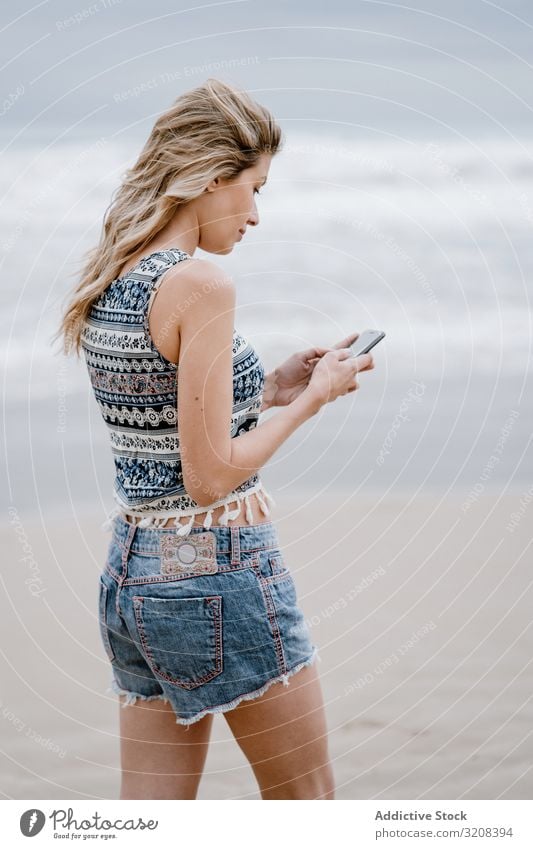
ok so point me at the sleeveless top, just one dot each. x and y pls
(135, 387)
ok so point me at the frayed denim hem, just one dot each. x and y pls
(132, 697)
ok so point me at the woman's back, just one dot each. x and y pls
(135, 386)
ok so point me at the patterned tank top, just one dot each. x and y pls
(135, 387)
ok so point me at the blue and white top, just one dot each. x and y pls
(136, 389)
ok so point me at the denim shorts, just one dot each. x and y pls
(202, 621)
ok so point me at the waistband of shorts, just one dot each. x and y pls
(229, 539)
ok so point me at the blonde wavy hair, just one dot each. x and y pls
(214, 130)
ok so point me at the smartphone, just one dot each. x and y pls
(366, 341)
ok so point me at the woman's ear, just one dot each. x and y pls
(214, 184)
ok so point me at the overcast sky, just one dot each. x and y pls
(81, 69)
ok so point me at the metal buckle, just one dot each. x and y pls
(196, 554)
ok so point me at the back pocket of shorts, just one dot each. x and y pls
(181, 638)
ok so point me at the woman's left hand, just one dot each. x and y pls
(290, 379)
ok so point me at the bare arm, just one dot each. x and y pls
(251, 450)
(268, 391)
(213, 463)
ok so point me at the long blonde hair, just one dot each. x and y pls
(214, 130)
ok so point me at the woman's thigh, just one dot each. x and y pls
(283, 734)
(160, 758)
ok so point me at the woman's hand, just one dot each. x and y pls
(290, 379)
(336, 374)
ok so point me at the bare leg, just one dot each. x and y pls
(283, 735)
(160, 758)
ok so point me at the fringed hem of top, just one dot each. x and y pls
(158, 520)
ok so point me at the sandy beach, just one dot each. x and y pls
(420, 606)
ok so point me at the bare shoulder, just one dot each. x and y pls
(201, 279)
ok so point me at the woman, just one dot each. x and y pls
(198, 608)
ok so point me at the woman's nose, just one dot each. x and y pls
(253, 218)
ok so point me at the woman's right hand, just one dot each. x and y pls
(335, 374)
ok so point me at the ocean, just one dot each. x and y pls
(428, 240)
